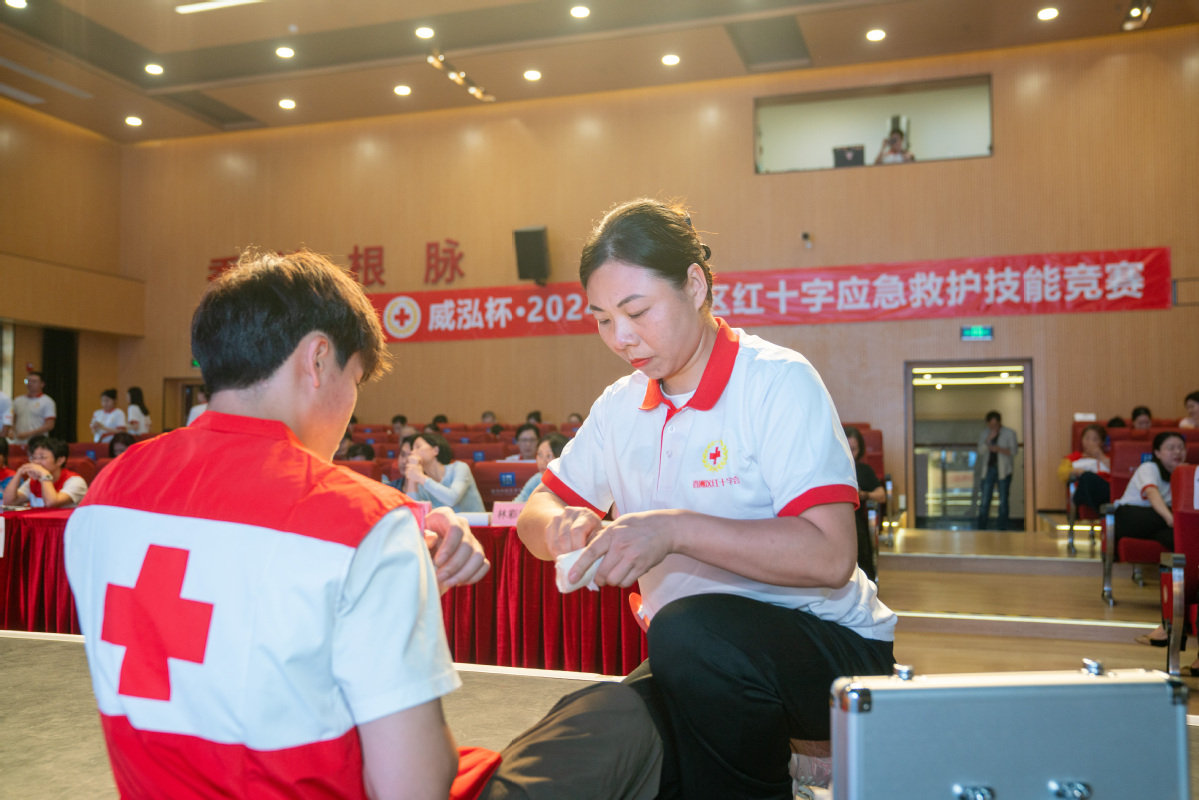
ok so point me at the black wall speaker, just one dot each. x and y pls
(532, 254)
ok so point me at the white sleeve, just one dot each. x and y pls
(76, 487)
(119, 420)
(5, 410)
(453, 490)
(578, 476)
(805, 458)
(389, 645)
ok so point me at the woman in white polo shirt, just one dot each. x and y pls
(735, 488)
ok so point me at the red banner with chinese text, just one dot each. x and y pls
(1047, 283)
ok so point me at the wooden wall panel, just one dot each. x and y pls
(62, 187)
(1094, 148)
(98, 366)
(26, 349)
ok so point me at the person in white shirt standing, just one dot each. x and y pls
(139, 413)
(107, 419)
(33, 412)
(201, 404)
(5, 415)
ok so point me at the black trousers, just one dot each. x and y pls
(730, 680)
(1092, 491)
(1142, 522)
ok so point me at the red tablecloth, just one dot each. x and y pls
(33, 576)
(515, 616)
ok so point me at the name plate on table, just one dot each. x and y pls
(505, 513)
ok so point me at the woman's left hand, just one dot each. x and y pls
(414, 472)
(630, 546)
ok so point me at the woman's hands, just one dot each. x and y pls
(630, 546)
(32, 471)
(414, 472)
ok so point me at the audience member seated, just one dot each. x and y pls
(342, 453)
(488, 419)
(200, 406)
(401, 462)
(1117, 422)
(431, 474)
(550, 448)
(42, 482)
(527, 437)
(120, 443)
(107, 419)
(397, 424)
(138, 415)
(1144, 510)
(439, 420)
(1142, 418)
(1091, 468)
(533, 417)
(360, 452)
(6, 474)
(869, 488)
(574, 418)
(1191, 420)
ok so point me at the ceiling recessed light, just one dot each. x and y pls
(212, 5)
(134, 121)
(15, 3)
(876, 35)
(928, 376)
(154, 69)
(1047, 14)
(1134, 12)
(285, 52)
(403, 91)
(578, 12)
(670, 60)
(532, 75)
(938, 386)
(288, 104)
(424, 33)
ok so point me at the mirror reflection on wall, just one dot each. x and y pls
(874, 126)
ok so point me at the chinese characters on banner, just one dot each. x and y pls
(1052, 283)
(366, 265)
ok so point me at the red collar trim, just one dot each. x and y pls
(711, 384)
(253, 426)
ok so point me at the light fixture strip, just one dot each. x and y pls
(995, 381)
(944, 370)
(212, 5)
(457, 76)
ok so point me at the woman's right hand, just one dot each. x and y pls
(571, 530)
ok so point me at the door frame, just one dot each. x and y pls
(909, 428)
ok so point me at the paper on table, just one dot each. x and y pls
(562, 565)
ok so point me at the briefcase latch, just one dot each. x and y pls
(1072, 790)
(973, 792)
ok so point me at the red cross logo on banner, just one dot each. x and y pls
(153, 622)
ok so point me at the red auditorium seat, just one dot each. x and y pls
(92, 450)
(84, 467)
(1179, 571)
(501, 480)
(862, 426)
(388, 467)
(370, 469)
(387, 450)
(370, 427)
(374, 439)
(1126, 457)
(17, 451)
(480, 451)
(469, 437)
(101, 463)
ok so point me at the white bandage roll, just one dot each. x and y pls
(564, 562)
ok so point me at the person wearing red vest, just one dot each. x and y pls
(43, 481)
(261, 623)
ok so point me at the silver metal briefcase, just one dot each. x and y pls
(1079, 734)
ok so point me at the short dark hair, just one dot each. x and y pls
(853, 433)
(1141, 411)
(1192, 396)
(444, 453)
(361, 449)
(400, 418)
(138, 399)
(57, 447)
(487, 414)
(994, 415)
(557, 442)
(120, 438)
(37, 373)
(496, 429)
(528, 426)
(111, 394)
(1099, 429)
(650, 234)
(252, 318)
(533, 416)
(4, 449)
(1117, 422)
(1158, 441)
(440, 419)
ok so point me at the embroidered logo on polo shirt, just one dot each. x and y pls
(716, 455)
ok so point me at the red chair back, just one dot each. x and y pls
(480, 451)
(85, 467)
(875, 461)
(1193, 452)
(502, 480)
(873, 439)
(370, 469)
(373, 439)
(469, 437)
(388, 467)
(1186, 525)
(370, 427)
(1126, 457)
(92, 450)
(862, 426)
(101, 463)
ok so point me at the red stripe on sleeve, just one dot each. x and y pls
(565, 493)
(820, 496)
